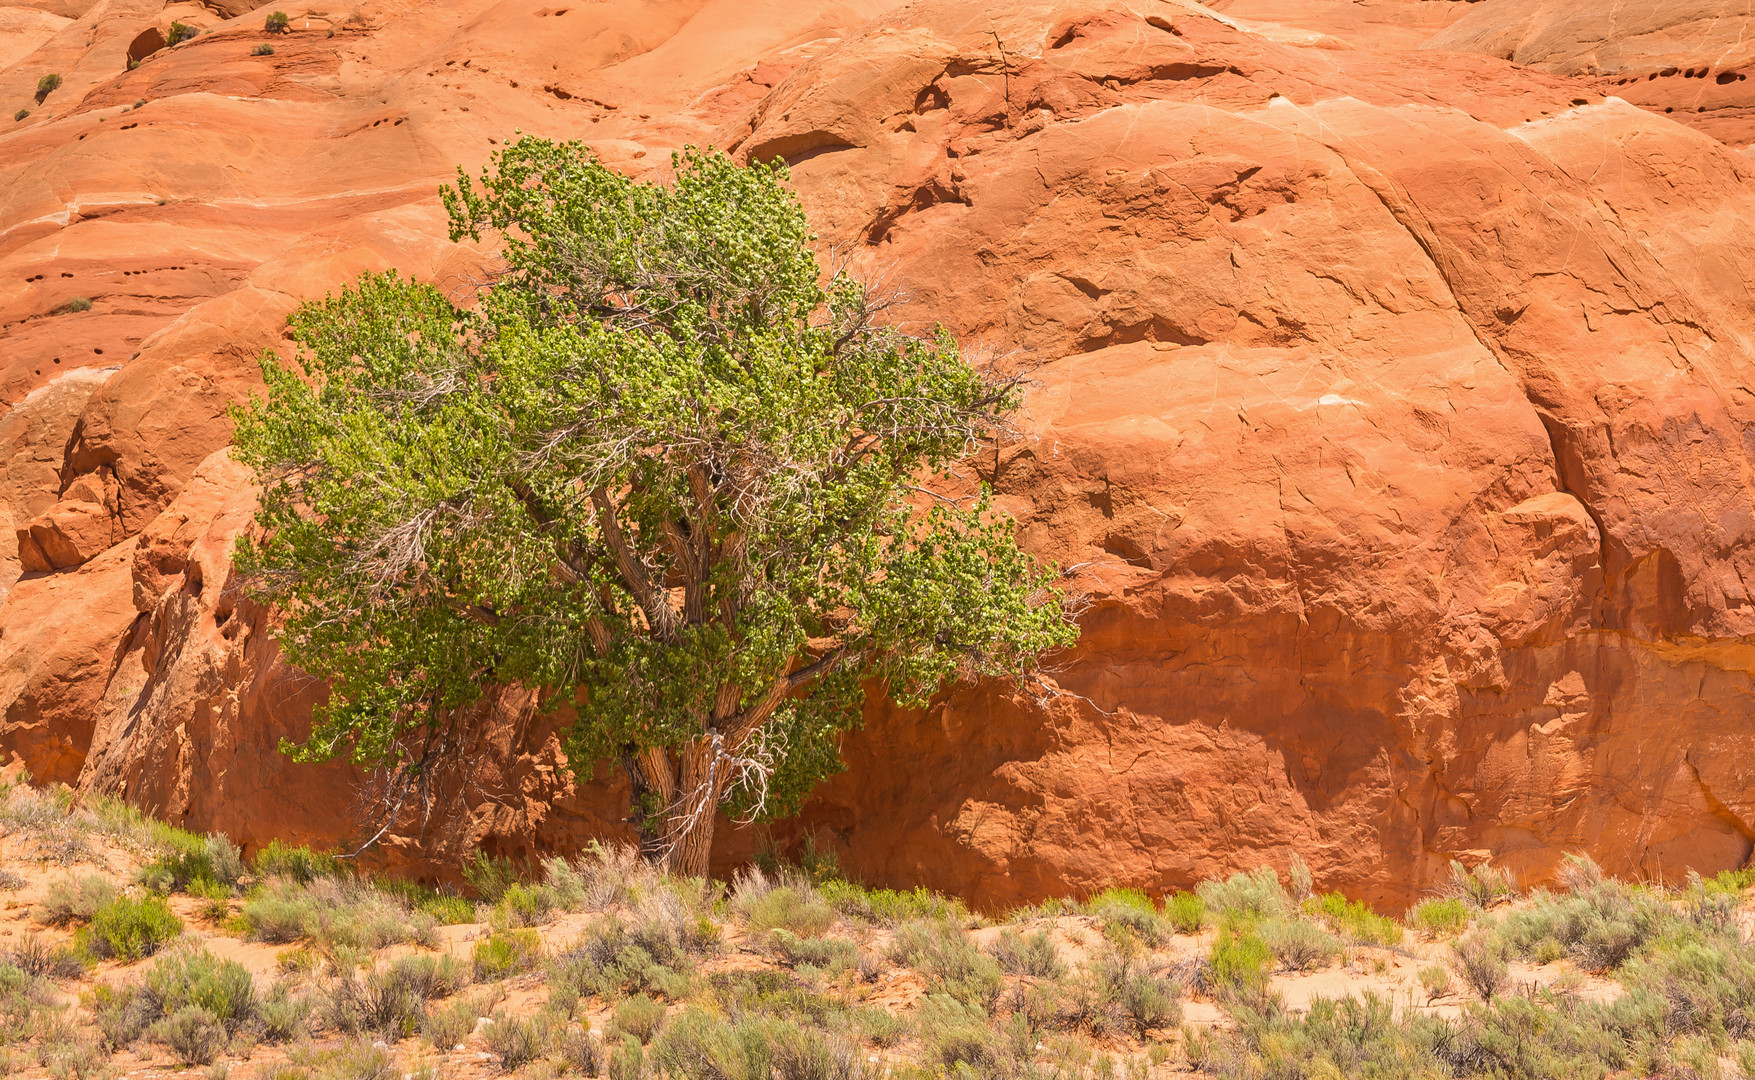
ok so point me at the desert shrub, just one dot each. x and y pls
(79, 303)
(951, 963)
(1441, 917)
(47, 85)
(1246, 896)
(192, 1033)
(519, 1040)
(36, 957)
(1116, 993)
(1600, 925)
(1032, 954)
(129, 929)
(1129, 911)
(1481, 887)
(179, 33)
(275, 23)
(774, 993)
(447, 1025)
(284, 1015)
(883, 1027)
(490, 877)
(506, 952)
(609, 958)
(1697, 986)
(699, 1046)
(20, 115)
(1354, 920)
(213, 860)
(578, 1051)
(331, 912)
(279, 859)
(121, 1014)
(796, 907)
(957, 1036)
(184, 977)
(1351, 1037)
(1240, 962)
(1435, 980)
(1298, 945)
(889, 906)
(831, 955)
(1186, 912)
(565, 887)
(429, 976)
(69, 900)
(640, 1016)
(378, 1003)
(1480, 960)
(9, 881)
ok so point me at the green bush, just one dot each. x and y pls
(1246, 896)
(69, 901)
(1298, 945)
(889, 906)
(518, 1041)
(20, 115)
(795, 908)
(47, 85)
(1355, 920)
(262, 49)
(446, 1026)
(490, 877)
(1443, 917)
(1482, 887)
(79, 303)
(1480, 959)
(506, 952)
(950, 962)
(276, 23)
(831, 955)
(1116, 994)
(283, 1014)
(186, 977)
(609, 958)
(1240, 962)
(1033, 955)
(193, 1034)
(1186, 912)
(1129, 911)
(128, 929)
(640, 1016)
(179, 33)
(300, 864)
(1600, 926)
(700, 1046)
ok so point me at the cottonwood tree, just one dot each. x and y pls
(661, 474)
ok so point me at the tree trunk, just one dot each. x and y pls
(688, 825)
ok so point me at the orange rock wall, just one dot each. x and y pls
(1391, 413)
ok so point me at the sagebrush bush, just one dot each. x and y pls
(190, 975)
(68, 900)
(519, 1040)
(300, 864)
(640, 1016)
(1027, 954)
(950, 962)
(179, 33)
(1600, 925)
(276, 22)
(1246, 896)
(130, 929)
(1298, 945)
(195, 1035)
(1441, 917)
(1129, 911)
(506, 952)
(1482, 887)
(1240, 962)
(794, 906)
(1480, 960)
(47, 85)
(1354, 920)
(1186, 912)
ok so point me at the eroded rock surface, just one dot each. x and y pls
(1391, 415)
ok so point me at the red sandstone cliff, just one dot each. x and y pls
(1394, 406)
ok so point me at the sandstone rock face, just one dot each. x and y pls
(1691, 59)
(1391, 416)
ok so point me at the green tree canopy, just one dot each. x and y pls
(661, 473)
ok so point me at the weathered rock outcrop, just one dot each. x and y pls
(1391, 418)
